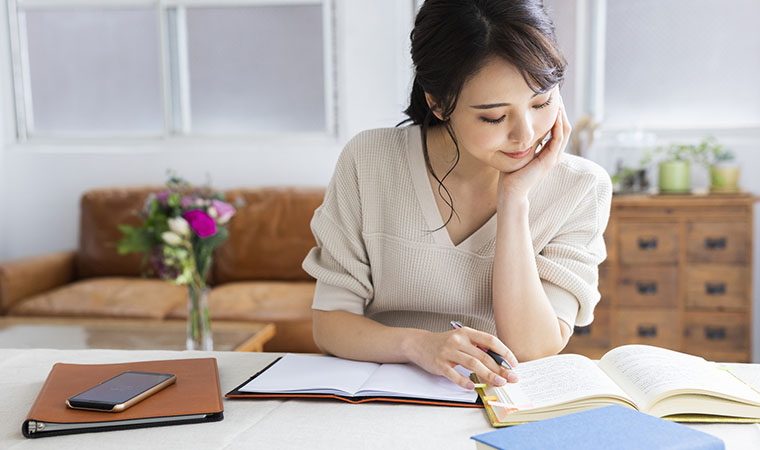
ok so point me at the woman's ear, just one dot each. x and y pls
(433, 105)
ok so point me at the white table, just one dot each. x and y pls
(260, 424)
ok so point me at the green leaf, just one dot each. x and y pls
(135, 240)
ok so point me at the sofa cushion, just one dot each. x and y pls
(286, 304)
(102, 211)
(257, 301)
(106, 297)
(269, 236)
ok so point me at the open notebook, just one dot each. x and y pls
(298, 375)
(654, 380)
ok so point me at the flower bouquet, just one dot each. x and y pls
(182, 226)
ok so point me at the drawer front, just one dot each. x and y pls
(716, 334)
(717, 242)
(648, 286)
(592, 340)
(648, 243)
(717, 287)
(651, 326)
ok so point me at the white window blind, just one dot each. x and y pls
(682, 64)
(257, 68)
(94, 71)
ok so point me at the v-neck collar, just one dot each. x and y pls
(426, 198)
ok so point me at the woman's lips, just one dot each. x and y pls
(519, 155)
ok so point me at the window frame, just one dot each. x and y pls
(174, 73)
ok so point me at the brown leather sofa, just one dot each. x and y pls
(256, 274)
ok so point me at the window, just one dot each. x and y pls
(681, 64)
(150, 68)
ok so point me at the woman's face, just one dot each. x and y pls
(499, 120)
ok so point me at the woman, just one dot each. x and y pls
(516, 259)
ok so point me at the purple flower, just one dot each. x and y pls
(163, 196)
(223, 210)
(201, 223)
(186, 202)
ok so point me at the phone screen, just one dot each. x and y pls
(120, 388)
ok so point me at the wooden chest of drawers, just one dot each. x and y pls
(677, 275)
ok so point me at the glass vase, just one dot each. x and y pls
(198, 321)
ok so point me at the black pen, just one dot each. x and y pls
(496, 357)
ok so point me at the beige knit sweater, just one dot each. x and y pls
(376, 256)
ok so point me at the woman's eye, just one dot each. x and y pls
(499, 120)
(544, 105)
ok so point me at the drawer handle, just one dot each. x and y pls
(715, 243)
(715, 288)
(715, 333)
(647, 331)
(582, 331)
(647, 244)
(646, 288)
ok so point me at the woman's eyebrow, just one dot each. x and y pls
(498, 105)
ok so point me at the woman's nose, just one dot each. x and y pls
(521, 132)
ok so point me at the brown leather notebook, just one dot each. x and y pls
(194, 397)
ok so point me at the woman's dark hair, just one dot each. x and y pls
(453, 39)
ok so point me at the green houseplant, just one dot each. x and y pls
(724, 171)
(674, 162)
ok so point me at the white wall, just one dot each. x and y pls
(44, 182)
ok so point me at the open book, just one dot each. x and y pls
(298, 375)
(654, 380)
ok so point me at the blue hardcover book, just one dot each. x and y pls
(603, 428)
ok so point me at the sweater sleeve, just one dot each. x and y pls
(339, 262)
(569, 264)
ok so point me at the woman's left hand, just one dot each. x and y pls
(518, 184)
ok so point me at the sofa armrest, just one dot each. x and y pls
(22, 278)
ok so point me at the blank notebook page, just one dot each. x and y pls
(298, 373)
(311, 373)
(411, 381)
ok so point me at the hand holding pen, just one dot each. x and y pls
(440, 352)
(497, 358)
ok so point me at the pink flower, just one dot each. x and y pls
(201, 223)
(223, 210)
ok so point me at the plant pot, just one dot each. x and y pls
(675, 177)
(724, 179)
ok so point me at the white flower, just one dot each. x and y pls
(212, 212)
(171, 238)
(179, 225)
(225, 218)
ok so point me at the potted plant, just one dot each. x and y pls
(674, 166)
(724, 171)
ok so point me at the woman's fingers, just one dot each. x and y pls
(496, 373)
(458, 378)
(491, 342)
(566, 129)
(477, 365)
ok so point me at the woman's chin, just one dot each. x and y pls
(515, 166)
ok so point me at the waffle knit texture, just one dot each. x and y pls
(376, 255)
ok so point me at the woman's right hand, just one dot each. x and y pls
(439, 353)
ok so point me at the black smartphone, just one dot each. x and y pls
(122, 391)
